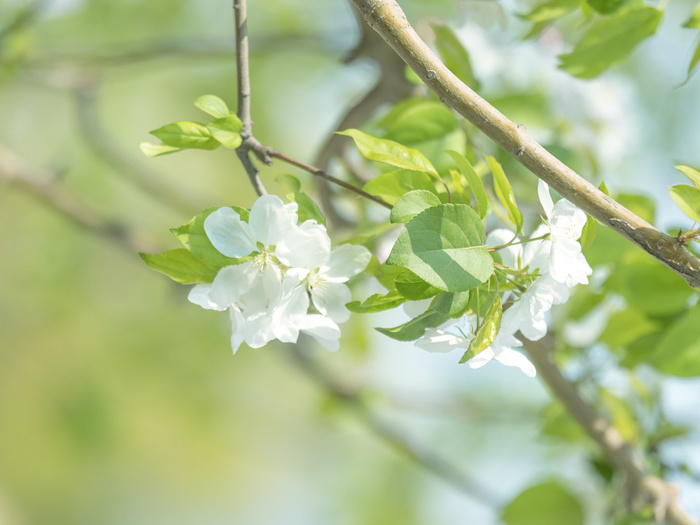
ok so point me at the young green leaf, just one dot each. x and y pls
(308, 210)
(186, 135)
(610, 41)
(607, 7)
(417, 120)
(290, 181)
(588, 233)
(486, 333)
(694, 20)
(504, 192)
(181, 266)
(604, 188)
(377, 303)
(413, 287)
(394, 184)
(212, 105)
(227, 130)
(156, 150)
(194, 238)
(452, 304)
(688, 200)
(691, 173)
(527, 507)
(443, 245)
(390, 152)
(678, 352)
(454, 55)
(551, 10)
(411, 204)
(415, 328)
(475, 183)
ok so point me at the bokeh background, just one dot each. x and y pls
(120, 402)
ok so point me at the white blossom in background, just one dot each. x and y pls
(555, 253)
(268, 296)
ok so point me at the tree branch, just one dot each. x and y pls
(43, 186)
(387, 18)
(642, 486)
(392, 436)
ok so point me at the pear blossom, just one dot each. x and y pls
(268, 296)
(567, 263)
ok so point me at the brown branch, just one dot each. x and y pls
(243, 77)
(642, 486)
(394, 437)
(387, 18)
(43, 186)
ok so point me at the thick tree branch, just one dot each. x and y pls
(642, 486)
(392, 436)
(387, 18)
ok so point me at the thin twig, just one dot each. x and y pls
(393, 436)
(243, 78)
(320, 173)
(387, 18)
(642, 486)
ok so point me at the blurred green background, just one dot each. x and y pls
(120, 402)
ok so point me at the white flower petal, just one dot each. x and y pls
(545, 197)
(321, 328)
(567, 220)
(307, 246)
(229, 234)
(201, 295)
(510, 357)
(346, 261)
(271, 220)
(330, 299)
(481, 358)
(439, 341)
(232, 282)
(237, 329)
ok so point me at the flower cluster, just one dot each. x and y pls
(555, 254)
(290, 266)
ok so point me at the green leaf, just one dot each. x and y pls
(390, 152)
(486, 333)
(308, 209)
(551, 10)
(688, 200)
(475, 183)
(627, 326)
(415, 328)
(691, 173)
(557, 422)
(186, 135)
(638, 204)
(606, 7)
(181, 266)
(504, 192)
(417, 120)
(610, 41)
(454, 55)
(377, 303)
(194, 238)
(413, 287)
(649, 285)
(227, 130)
(545, 504)
(694, 20)
(212, 105)
(620, 415)
(693, 62)
(290, 181)
(678, 352)
(444, 246)
(156, 150)
(411, 204)
(588, 233)
(394, 184)
(604, 188)
(452, 304)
